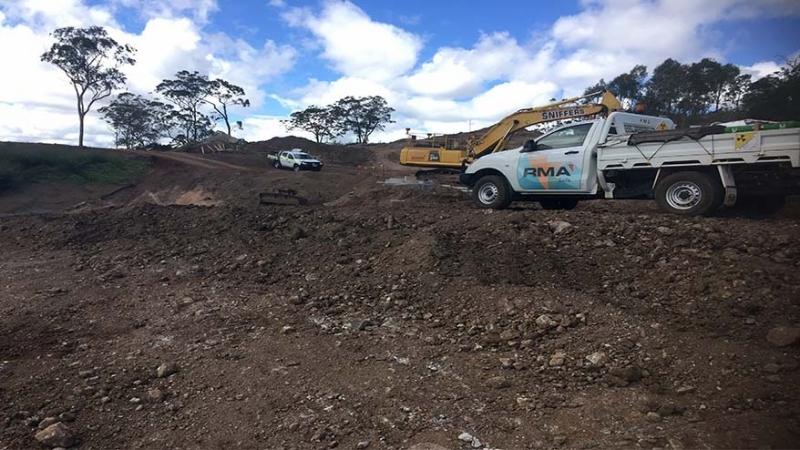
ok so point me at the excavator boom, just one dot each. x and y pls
(496, 137)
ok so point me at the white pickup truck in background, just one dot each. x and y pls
(296, 160)
(689, 172)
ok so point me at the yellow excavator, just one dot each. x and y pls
(495, 138)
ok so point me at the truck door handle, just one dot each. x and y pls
(573, 152)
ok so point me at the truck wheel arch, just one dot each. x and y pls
(485, 173)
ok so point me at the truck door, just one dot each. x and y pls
(557, 161)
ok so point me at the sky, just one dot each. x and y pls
(444, 66)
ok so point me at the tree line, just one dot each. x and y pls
(360, 116)
(707, 90)
(188, 106)
(192, 103)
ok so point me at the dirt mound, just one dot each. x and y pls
(399, 316)
(196, 196)
(175, 178)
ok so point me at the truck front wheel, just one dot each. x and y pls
(689, 193)
(491, 192)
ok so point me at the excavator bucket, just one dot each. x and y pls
(286, 197)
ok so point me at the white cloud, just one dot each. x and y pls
(42, 95)
(453, 90)
(610, 36)
(46, 15)
(498, 74)
(198, 10)
(260, 128)
(237, 61)
(458, 72)
(356, 45)
(163, 46)
(760, 69)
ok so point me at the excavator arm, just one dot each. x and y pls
(496, 137)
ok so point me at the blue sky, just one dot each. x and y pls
(441, 64)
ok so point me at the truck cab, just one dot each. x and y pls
(563, 161)
(296, 160)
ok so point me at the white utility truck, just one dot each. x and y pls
(690, 172)
(296, 160)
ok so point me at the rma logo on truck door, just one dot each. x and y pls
(536, 172)
(551, 171)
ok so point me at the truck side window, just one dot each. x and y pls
(566, 137)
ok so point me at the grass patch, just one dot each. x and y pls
(22, 164)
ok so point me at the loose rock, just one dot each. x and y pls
(427, 446)
(545, 321)
(559, 226)
(57, 435)
(498, 382)
(46, 422)
(783, 336)
(557, 359)
(166, 369)
(155, 395)
(597, 359)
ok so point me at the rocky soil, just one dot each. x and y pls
(398, 318)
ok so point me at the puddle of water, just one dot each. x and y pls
(421, 184)
(408, 181)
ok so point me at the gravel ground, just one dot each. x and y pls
(395, 318)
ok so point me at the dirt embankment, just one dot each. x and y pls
(190, 179)
(397, 317)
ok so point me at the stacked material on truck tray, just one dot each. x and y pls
(697, 133)
(674, 135)
(763, 126)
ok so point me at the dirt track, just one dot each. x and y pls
(396, 317)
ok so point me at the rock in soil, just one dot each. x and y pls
(57, 435)
(166, 369)
(597, 359)
(559, 226)
(783, 336)
(427, 446)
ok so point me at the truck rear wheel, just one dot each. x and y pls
(491, 192)
(689, 193)
(559, 203)
(276, 164)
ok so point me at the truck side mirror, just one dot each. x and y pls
(530, 146)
